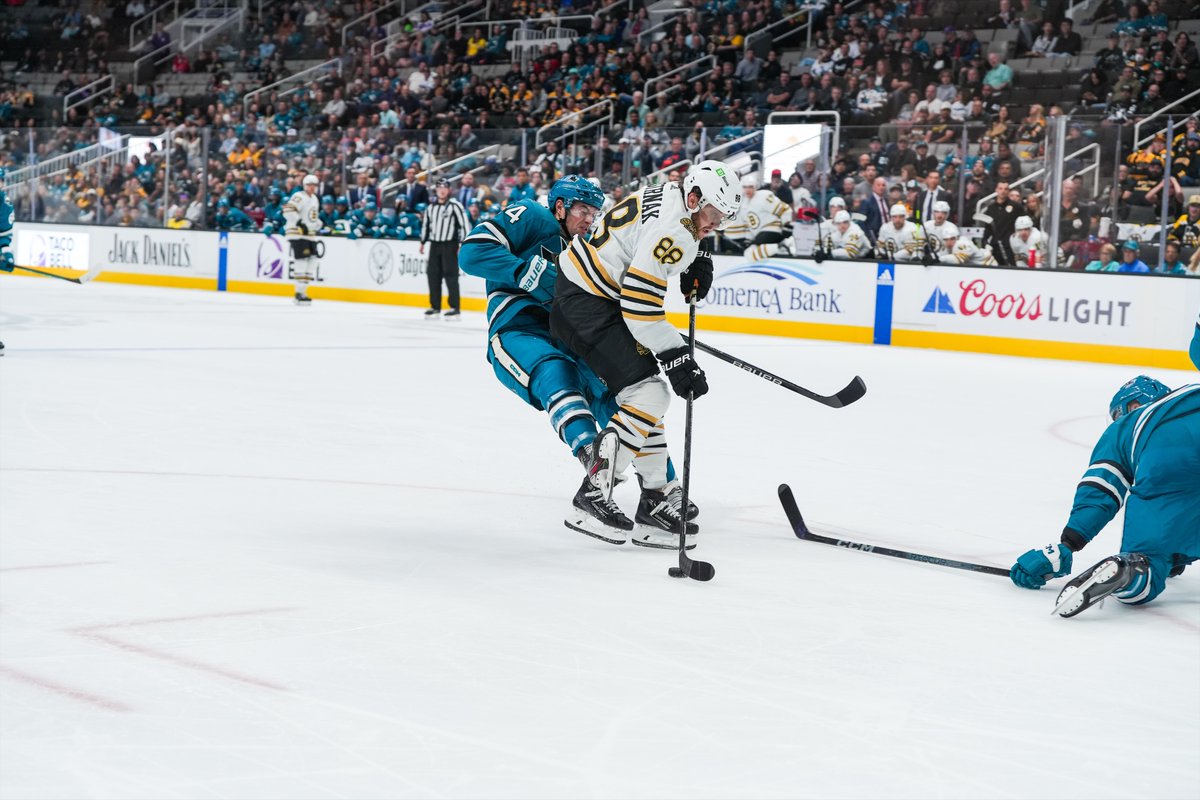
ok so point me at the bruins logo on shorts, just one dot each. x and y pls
(642, 350)
(936, 245)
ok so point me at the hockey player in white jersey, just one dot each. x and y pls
(302, 218)
(935, 230)
(960, 250)
(608, 309)
(846, 240)
(1028, 244)
(764, 221)
(836, 204)
(900, 239)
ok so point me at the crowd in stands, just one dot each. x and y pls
(920, 103)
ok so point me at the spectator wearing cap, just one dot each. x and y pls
(1186, 229)
(443, 226)
(779, 187)
(924, 163)
(1131, 258)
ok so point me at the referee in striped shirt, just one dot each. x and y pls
(443, 225)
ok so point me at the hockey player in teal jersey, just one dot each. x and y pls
(229, 218)
(1147, 459)
(516, 253)
(1194, 351)
(7, 215)
(273, 221)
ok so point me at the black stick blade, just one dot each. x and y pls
(788, 500)
(853, 392)
(701, 571)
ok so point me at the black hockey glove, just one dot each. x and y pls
(819, 255)
(698, 277)
(685, 376)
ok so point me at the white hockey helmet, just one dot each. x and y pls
(949, 231)
(311, 180)
(1023, 223)
(750, 179)
(898, 210)
(942, 205)
(837, 202)
(841, 216)
(714, 181)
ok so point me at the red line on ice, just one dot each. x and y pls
(64, 691)
(55, 566)
(94, 632)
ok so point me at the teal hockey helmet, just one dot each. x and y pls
(572, 189)
(1141, 391)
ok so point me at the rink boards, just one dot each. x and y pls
(1104, 317)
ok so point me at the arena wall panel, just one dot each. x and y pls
(1104, 317)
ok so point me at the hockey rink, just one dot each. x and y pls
(249, 550)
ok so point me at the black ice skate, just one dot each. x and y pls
(658, 521)
(302, 299)
(453, 315)
(432, 313)
(1125, 571)
(595, 514)
(674, 491)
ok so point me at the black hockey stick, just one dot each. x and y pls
(696, 570)
(802, 532)
(854, 390)
(84, 278)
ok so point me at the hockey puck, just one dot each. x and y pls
(676, 572)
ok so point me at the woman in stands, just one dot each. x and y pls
(1031, 132)
(1002, 126)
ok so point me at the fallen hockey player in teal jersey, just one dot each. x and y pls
(1148, 460)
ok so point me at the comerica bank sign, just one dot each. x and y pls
(789, 288)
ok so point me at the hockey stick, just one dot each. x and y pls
(84, 278)
(852, 391)
(802, 532)
(927, 258)
(696, 570)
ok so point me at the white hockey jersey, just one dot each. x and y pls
(851, 244)
(906, 244)
(1022, 249)
(966, 253)
(304, 209)
(935, 236)
(645, 240)
(763, 212)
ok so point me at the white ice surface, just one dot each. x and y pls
(254, 551)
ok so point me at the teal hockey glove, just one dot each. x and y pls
(1035, 567)
(7, 264)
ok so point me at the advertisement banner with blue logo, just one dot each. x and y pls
(1097, 316)
(787, 296)
(360, 269)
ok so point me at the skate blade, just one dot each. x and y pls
(1074, 600)
(645, 536)
(590, 527)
